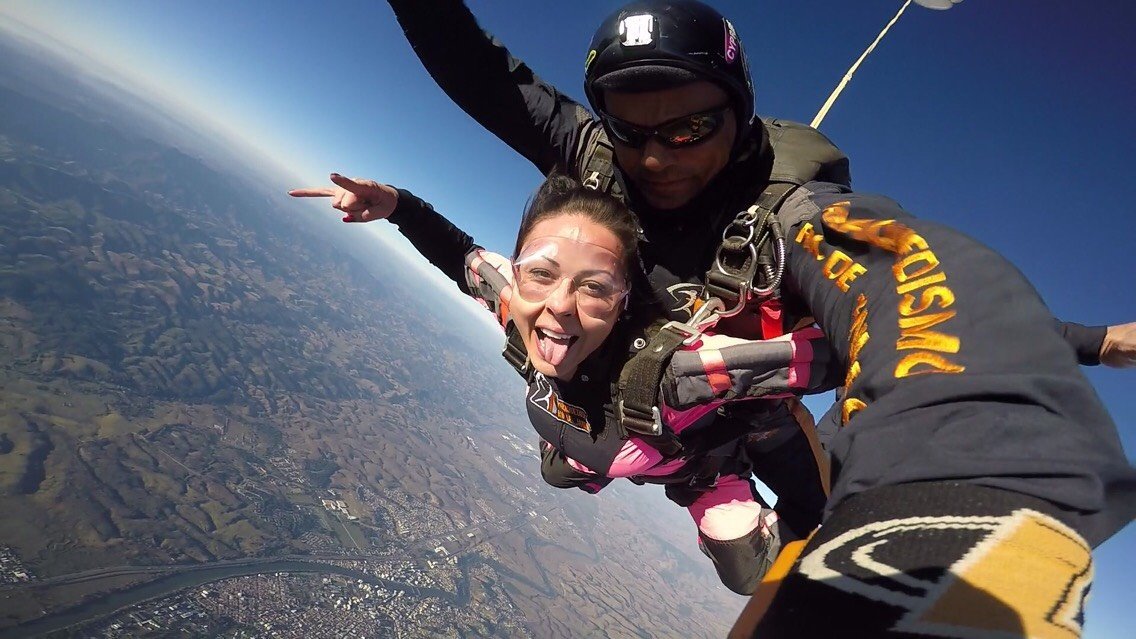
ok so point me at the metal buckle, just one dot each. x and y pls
(695, 481)
(739, 238)
(707, 314)
(752, 261)
(729, 286)
(637, 424)
(738, 282)
(690, 333)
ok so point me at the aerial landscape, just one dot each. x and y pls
(225, 413)
(216, 422)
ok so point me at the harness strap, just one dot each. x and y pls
(747, 254)
(515, 352)
(637, 396)
(772, 322)
(698, 476)
(599, 168)
(703, 478)
(494, 291)
(808, 426)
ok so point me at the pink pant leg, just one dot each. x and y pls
(729, 510)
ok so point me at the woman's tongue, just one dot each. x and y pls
(553, 346)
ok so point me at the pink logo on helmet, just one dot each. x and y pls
(730, 50)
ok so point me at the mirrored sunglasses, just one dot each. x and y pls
(680, 132)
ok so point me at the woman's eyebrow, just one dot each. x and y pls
(535, 258)
(600, 271)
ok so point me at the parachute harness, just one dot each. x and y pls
(749, 265)
(750, 261)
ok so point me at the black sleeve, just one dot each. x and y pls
(956, 370)
(497, 90)
(1085, 340)
(435, 237)
(557, 472)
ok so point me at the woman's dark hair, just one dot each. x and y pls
(560, 194)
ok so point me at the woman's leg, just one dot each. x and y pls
(739, 533)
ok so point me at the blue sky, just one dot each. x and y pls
(1009, 119)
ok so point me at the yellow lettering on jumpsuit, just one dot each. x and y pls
(925, 297)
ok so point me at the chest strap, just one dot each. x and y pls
(749, 264)
(637, 394)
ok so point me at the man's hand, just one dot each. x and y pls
(1119, 347)
(361, 200)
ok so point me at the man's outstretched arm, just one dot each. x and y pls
(497, 90)
(1113, 346)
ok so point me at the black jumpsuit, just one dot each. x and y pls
(974, 465)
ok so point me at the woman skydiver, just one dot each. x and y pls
(568, 292)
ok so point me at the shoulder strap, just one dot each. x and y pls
(595, 161)
(747, 261)
(489, 286)
(515, 352)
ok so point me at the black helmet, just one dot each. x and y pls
(656, 44)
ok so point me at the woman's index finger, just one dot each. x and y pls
(312, 192)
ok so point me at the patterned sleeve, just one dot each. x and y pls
(488, 279)
(719, 367)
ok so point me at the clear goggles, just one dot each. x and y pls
(594, 275)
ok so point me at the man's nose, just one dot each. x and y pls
(656, 158)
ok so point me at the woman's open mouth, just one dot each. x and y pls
(552, 346)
